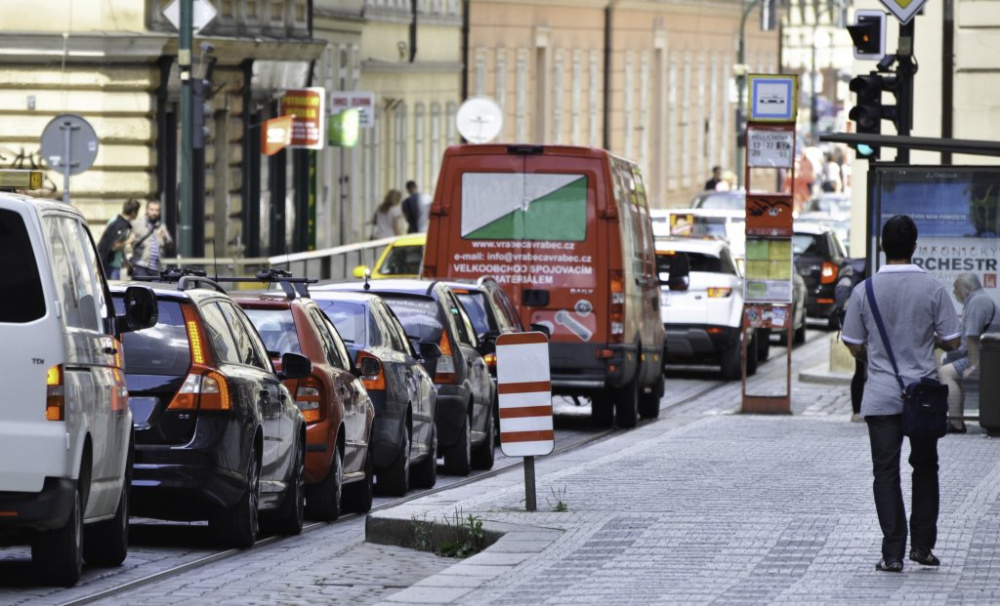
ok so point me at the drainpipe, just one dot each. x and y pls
(607, 76)
(947, 76)
(465, 49)
(413, 30)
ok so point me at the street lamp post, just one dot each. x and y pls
(741, 84)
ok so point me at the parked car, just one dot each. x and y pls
(841, 226)
(404, 441)
(566, 231)
(431, 314)
(819, 256)
(721, 200)
(337, 409)
(401, 259)
(703, 318)
(65, 426)
(799, 296)
(217, 434)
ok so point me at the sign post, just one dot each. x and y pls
(69, 144)
(524, 389)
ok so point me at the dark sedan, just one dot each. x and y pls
(819, 256)
(431, 313)
(404, 441)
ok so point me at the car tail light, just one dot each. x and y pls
(186, 397)
(309, 399)
(196, 337)
(491, 360)
(373, 382)
(445, 370)
(828, 273)
(55, 401)
(719, 293)
(205, 392)
(617, 311)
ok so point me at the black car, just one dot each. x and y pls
(490, 310)
(217, 434)
(404, 440)
(819, 257)
(431, 314)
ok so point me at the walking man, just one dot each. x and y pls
(149, 241)
(978, 312)
(918, 315)
(111, 247)
(411, 208)
(714, 180)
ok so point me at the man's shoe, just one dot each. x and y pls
(924, 556)
(957, 429)
(889, 565)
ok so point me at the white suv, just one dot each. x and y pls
(703, 318)
(65, 423)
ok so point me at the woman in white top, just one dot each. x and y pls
(388, 219)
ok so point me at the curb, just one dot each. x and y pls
(823, 376)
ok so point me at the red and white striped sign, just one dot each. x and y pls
(525, 389)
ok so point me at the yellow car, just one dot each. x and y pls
(403, 258)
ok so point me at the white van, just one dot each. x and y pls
(65, 423)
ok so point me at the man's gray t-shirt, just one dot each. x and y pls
(979, 312)
(914, 307)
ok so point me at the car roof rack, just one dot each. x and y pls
(186, 278)
(292, 286)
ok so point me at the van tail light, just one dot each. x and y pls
(445, 370)
(208, 391)
(200, 353)
(828, 273)
(617, 310)
(309, 399)
(719, 293)
(55, 401)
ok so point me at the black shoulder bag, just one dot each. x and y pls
(925, 403)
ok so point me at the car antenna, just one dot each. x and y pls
(215, 259)
(368, 275)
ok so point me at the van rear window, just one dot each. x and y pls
(20, 283)
(524, 206)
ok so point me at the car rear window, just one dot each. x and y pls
(22, 299)
(699, 262)
(349, 318)
(276, 328)
(475, 306)
(418, 315)
(722, 201)
(808, 244)
(523, 206)
(402, 260)
(160, 350)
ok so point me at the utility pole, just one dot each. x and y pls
(184, 239)
(741, 86)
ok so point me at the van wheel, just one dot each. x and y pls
(602, 409)
(106, 543)
(288, 519)
(627, 406)
(485, 454)
(358, 496)
(58, 554)
(730, 362)
(424, 474)
(323, 499)
(649, 403)
(238, 527)
(458, 459)
(394, 480)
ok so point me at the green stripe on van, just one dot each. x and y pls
(559, 215)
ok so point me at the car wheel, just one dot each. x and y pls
(458, 459)
(627, 406)
(358, 496)
(602, 409)
(649, 403)
(424, 474)
(730, 362)
(483, 455)
(800, 334)
(763, 346)
(106, 543)
(394, 480)
(288, 519)
(238, 527)
(58, 553)
(753, 355)
(323, 499)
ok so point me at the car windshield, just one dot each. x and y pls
(276, 328)
(418, 315)
(159, 350)
(721, 201)
(475, 306)
(349, 318)
(22, 300)
(402, 260)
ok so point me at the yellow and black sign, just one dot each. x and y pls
(11, 179)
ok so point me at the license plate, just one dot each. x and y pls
(142, 408)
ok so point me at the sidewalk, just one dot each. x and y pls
(726, 508)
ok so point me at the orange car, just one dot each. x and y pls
(339, 414)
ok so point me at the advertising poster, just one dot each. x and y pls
(957, 212)
(769, 270)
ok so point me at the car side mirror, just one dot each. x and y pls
(359, 272)
(294, 366)
(370, 367)
(141, 309)
(542, 329)
(488, 342)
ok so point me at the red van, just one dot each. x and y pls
(566, 232)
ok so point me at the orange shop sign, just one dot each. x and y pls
(276, 135)
(307, 108)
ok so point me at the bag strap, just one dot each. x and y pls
(870, 290)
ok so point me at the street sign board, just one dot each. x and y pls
(202, 13)
(365, 102)
(306, 107)
(524, 389)
(772, 98)
(904, 10)
(770, 148)
(69, 142)
(276, 135)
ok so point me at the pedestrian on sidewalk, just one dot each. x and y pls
(715, 179)
(150, 241)
(388, 218)
(850, 276)
(411, 208)
(918, 315)
(111, 246)
(978, 312)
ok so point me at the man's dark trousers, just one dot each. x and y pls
(886, 435)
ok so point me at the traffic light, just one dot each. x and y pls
(869, 111)
(201, 112)
(868, 35)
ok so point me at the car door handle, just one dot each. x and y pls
(110, 351)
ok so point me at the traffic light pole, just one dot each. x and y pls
(905, 70)
(184, 239)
